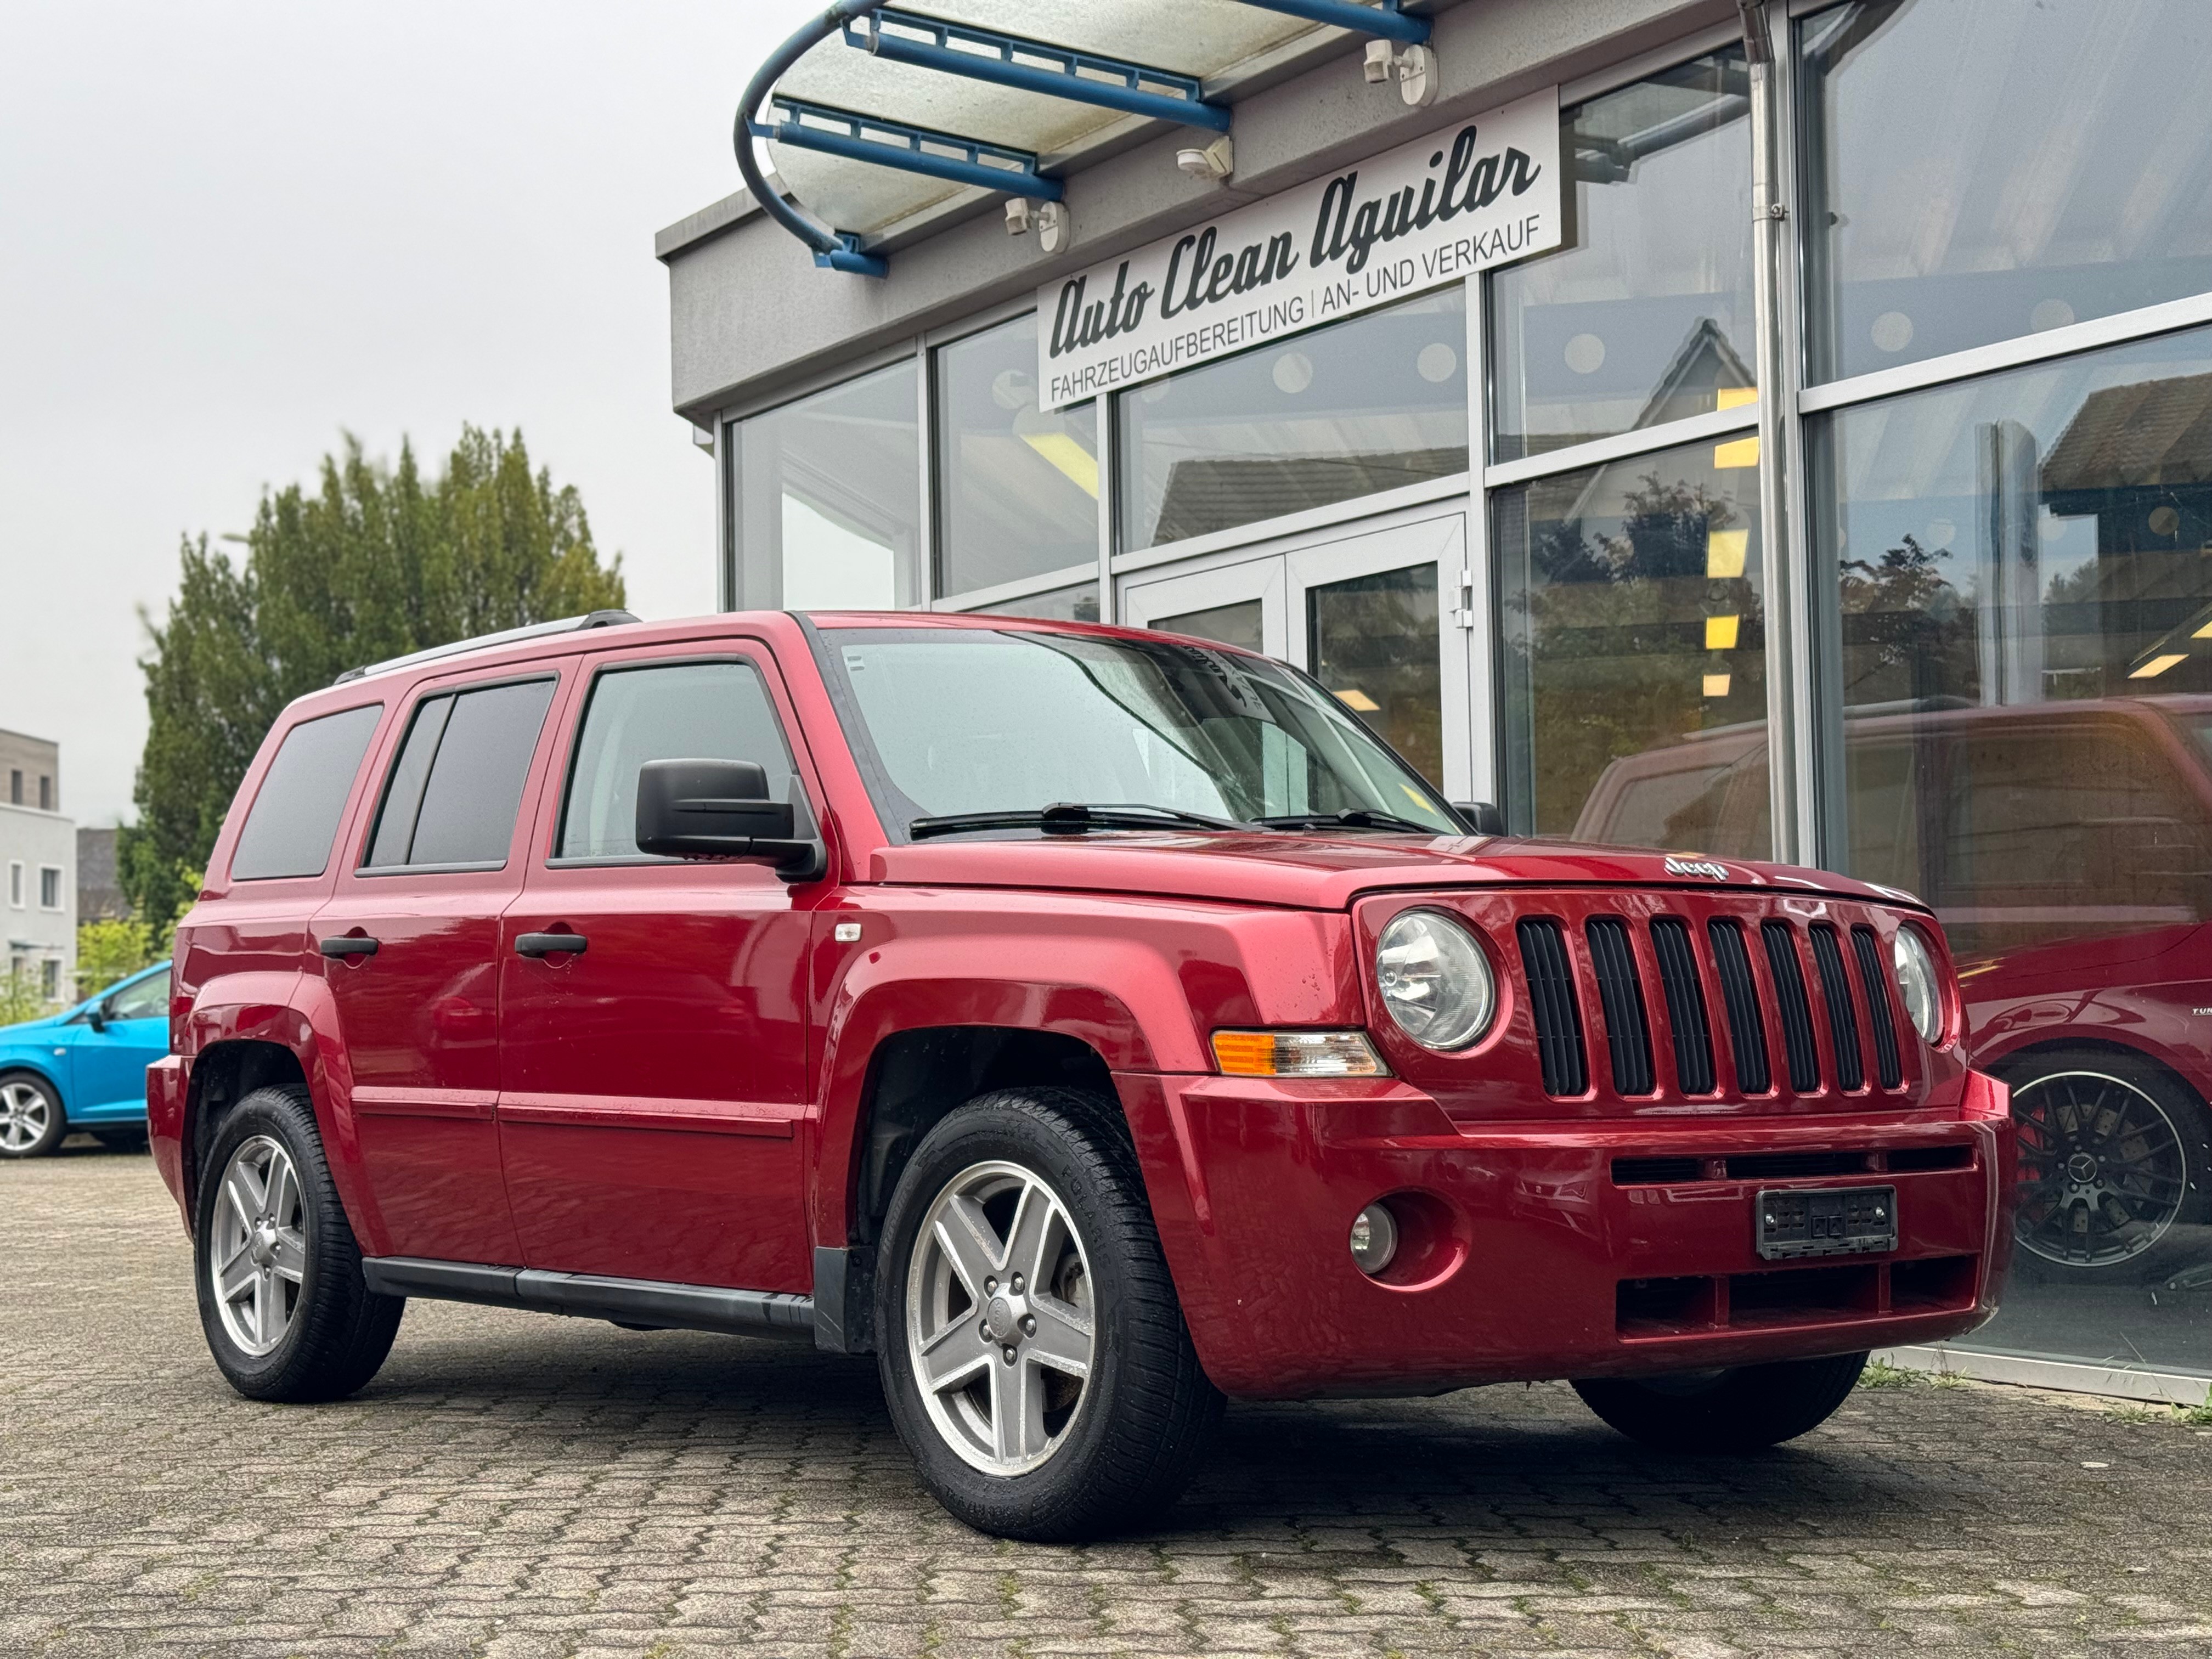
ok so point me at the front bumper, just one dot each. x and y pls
(1548, 1249)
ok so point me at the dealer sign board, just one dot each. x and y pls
(1483, 191)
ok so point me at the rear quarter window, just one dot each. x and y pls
(294, 816)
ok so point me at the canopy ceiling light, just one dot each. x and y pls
(873, 150)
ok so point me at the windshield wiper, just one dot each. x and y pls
(1071, 818)
(1352, 817)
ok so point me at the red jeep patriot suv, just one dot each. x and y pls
(1089, 1024)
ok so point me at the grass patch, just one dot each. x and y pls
(1879, 1375)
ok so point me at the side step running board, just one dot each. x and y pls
(587, 1296)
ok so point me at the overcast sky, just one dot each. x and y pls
(229, 230)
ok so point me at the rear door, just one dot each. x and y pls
(654, 1071)
(410, 942)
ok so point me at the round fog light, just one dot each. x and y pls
(1374, 1238)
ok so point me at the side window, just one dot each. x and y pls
(144, 1000)
(678, 711)
(294, 818)
(457, 785)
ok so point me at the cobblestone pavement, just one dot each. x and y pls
(519, 1485)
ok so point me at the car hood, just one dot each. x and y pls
(1327, 872)
(31, 1030)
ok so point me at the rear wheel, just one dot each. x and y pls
(32, 1122)
(1744, 1408)
(1032, 1349)
(286, 1311)
(2113, 1155)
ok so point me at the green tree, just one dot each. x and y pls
(373, 562)
(107, 949)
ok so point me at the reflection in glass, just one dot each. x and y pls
(1373, 643)
(1982, 169)
(1241, 624)
(1635, 652)
(1019, 489)
(1369, 403)
(2019, 621)
(1645, 315)
(1107, 719)
(1076, 603)
(828, 497)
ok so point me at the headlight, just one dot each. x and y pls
(1916, 983)
(1436, 979)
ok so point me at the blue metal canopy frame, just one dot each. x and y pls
(1063, 72)
(912, 149)
(980, 54)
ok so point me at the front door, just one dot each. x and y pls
(111, 1061)
(652, 1012)
(1370, 613)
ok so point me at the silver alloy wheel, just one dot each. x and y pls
(999, 1318)
(257, 1252)
(26, 1115)
(2102, 1172)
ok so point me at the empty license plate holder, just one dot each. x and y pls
(1794, 1222)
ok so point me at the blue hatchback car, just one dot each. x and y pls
(84, 1068)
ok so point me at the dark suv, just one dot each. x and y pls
(1088, 1023)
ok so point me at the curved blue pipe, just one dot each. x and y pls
(831, 248)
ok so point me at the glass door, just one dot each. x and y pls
(1371, 614)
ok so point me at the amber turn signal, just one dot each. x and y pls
(1297, 1054)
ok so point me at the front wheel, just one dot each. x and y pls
(32, 1122)
(286, 1311)
(1032, 1349)
(1744, 1408)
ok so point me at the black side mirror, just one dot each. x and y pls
(96, 1016)
(719, 809)
(1481, 816)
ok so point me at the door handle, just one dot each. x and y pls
(350, 945)
(545, 945)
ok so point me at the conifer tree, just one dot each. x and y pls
(372, 563)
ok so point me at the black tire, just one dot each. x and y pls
(45, 1141)
(2115, 1167)
(336, 1331)
(1747, 1408)
(1143, 1412)
(121, 1140)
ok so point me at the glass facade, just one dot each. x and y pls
(2005, 657)
(1644, 316)
(1982, 168)
(1348, 410)
(1017, 491)
(1634, 660)
(827, 497)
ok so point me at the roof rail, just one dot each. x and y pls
(535, 630)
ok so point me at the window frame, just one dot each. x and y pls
(573, 746)
(429, 692)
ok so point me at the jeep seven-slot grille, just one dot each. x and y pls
(1747, 1025)
(1789, 972)
(1843, 1018)
(1620, 994)
(1685, 1006)
(1875, 983)
(1619, 953)
(1558, 1011)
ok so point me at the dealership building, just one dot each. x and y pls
(1765, 430)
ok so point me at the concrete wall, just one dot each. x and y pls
(749, 313)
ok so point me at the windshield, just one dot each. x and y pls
(1012, 720)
